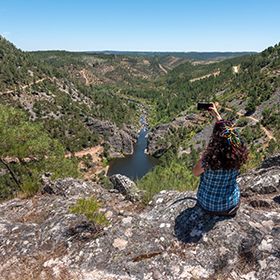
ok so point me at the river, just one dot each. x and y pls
(138, 164)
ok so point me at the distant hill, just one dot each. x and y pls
(186, 55)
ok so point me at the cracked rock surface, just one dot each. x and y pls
(171, 238)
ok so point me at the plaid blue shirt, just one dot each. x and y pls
(218, 190)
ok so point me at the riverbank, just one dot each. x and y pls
(91, 162)
(136, 165)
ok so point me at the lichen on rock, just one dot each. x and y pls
(172, 238)
(126, 187)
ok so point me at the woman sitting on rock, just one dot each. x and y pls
(218, 192)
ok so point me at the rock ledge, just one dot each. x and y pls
(171, 238)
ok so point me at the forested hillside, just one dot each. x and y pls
(55, 96)
(58, 105)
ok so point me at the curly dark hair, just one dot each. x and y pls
(222, 153)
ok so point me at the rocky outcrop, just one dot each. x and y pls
(271, 161)
(120, 141)
(268, 104)
(172, 238)
(158, 143)
(126, 187)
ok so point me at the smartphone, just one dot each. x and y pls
(203, 106)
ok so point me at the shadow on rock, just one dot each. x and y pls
(277, 199)
(193, 223)
(83, 231)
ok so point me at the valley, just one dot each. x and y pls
(91, 104)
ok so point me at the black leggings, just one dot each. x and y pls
(231, 212)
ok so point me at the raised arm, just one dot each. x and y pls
(214, 112)
(198, 169)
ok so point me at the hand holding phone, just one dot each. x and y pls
(211, 107)
(204, 106)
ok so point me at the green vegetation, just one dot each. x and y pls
(26, 152)
(179, 94)
(174, 176)
(273, 146)
(108, 105)
(255, 157)
(90, 209)
(254, 83)
(62, 91)
(252, 133)
(104, 180)
(188, 55)
(19, 68)
(242, 121)
(271, 117)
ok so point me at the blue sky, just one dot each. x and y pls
(152, 25)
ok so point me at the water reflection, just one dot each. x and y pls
(138, 164)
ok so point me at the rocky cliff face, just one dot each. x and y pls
(120, 141)
(157, 138)
(171, 238)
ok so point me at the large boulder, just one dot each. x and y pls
(126, 187)
(172, 238)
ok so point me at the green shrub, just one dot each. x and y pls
(251, 133)
(105, 162)
(254, 159)
(271, 117)
(251, 105)
(273, 147)
(242, 121)
(104, 181)
(90, 209)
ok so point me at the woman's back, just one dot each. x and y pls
(218, 168)
(218, 190)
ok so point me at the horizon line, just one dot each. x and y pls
(144, 51)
